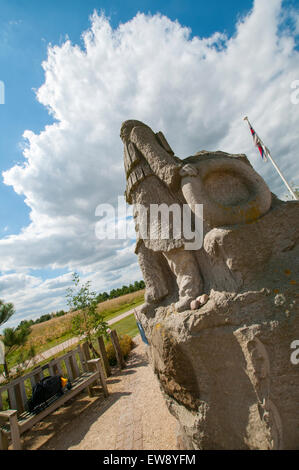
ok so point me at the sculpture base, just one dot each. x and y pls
(225, 369)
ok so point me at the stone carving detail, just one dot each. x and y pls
(230, 190)
(153, 177)
(220, 319)
(258, 370)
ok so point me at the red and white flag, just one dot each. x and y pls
(264, 151)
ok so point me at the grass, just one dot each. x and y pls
(13, 357)
(45, 335)
(126, 346)
(126, 326)
(108, 314)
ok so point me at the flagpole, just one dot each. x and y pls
(275, 165)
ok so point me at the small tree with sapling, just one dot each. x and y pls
(13, 339)
(295, 189)
(6, 311)
(87, 322)
(25, 358)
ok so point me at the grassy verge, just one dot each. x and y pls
(126, 326)
(112, 313)
(43, 331)
(13, 357)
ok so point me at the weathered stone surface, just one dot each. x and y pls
(195, 304)
(225, 369)
(229, 188)
(224, 362)
(153, 177)
(202, 299)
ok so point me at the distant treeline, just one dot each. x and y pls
(138, 285)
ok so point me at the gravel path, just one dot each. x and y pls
(133, 417)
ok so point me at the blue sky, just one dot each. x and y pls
(27, 28)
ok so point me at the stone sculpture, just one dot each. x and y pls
(221, 346)
(153, 177)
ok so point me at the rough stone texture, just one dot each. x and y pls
(153, 178)
(228, 187)
(195, 304)
(224, 368)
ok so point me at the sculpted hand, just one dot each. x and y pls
(188, 170)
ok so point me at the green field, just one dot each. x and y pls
(126, 326)
(46, 335)
(112, 313)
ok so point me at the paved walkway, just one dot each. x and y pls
(133, 417)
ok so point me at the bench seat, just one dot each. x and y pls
(16, 422)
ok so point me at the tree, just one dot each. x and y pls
(25, 323)
(25, 358)
(61, 313)
(296, 191)
(113, 294)
(102, 297)
(14, 338)
(6, 311)
(88, 322)
(43, 318)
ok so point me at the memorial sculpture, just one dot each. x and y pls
(221, 320)
(153, 177)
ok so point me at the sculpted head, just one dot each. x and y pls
(127, 127)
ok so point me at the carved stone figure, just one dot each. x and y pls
(224, 362)
(153, 177)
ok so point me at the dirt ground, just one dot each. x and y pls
(134, 416)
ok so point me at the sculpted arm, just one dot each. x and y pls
(164, 165)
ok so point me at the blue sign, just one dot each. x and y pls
(142, 333)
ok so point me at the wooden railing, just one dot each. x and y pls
(15, 394)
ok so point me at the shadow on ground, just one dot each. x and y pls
(54, 432)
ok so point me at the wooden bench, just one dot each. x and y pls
(75, 365)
